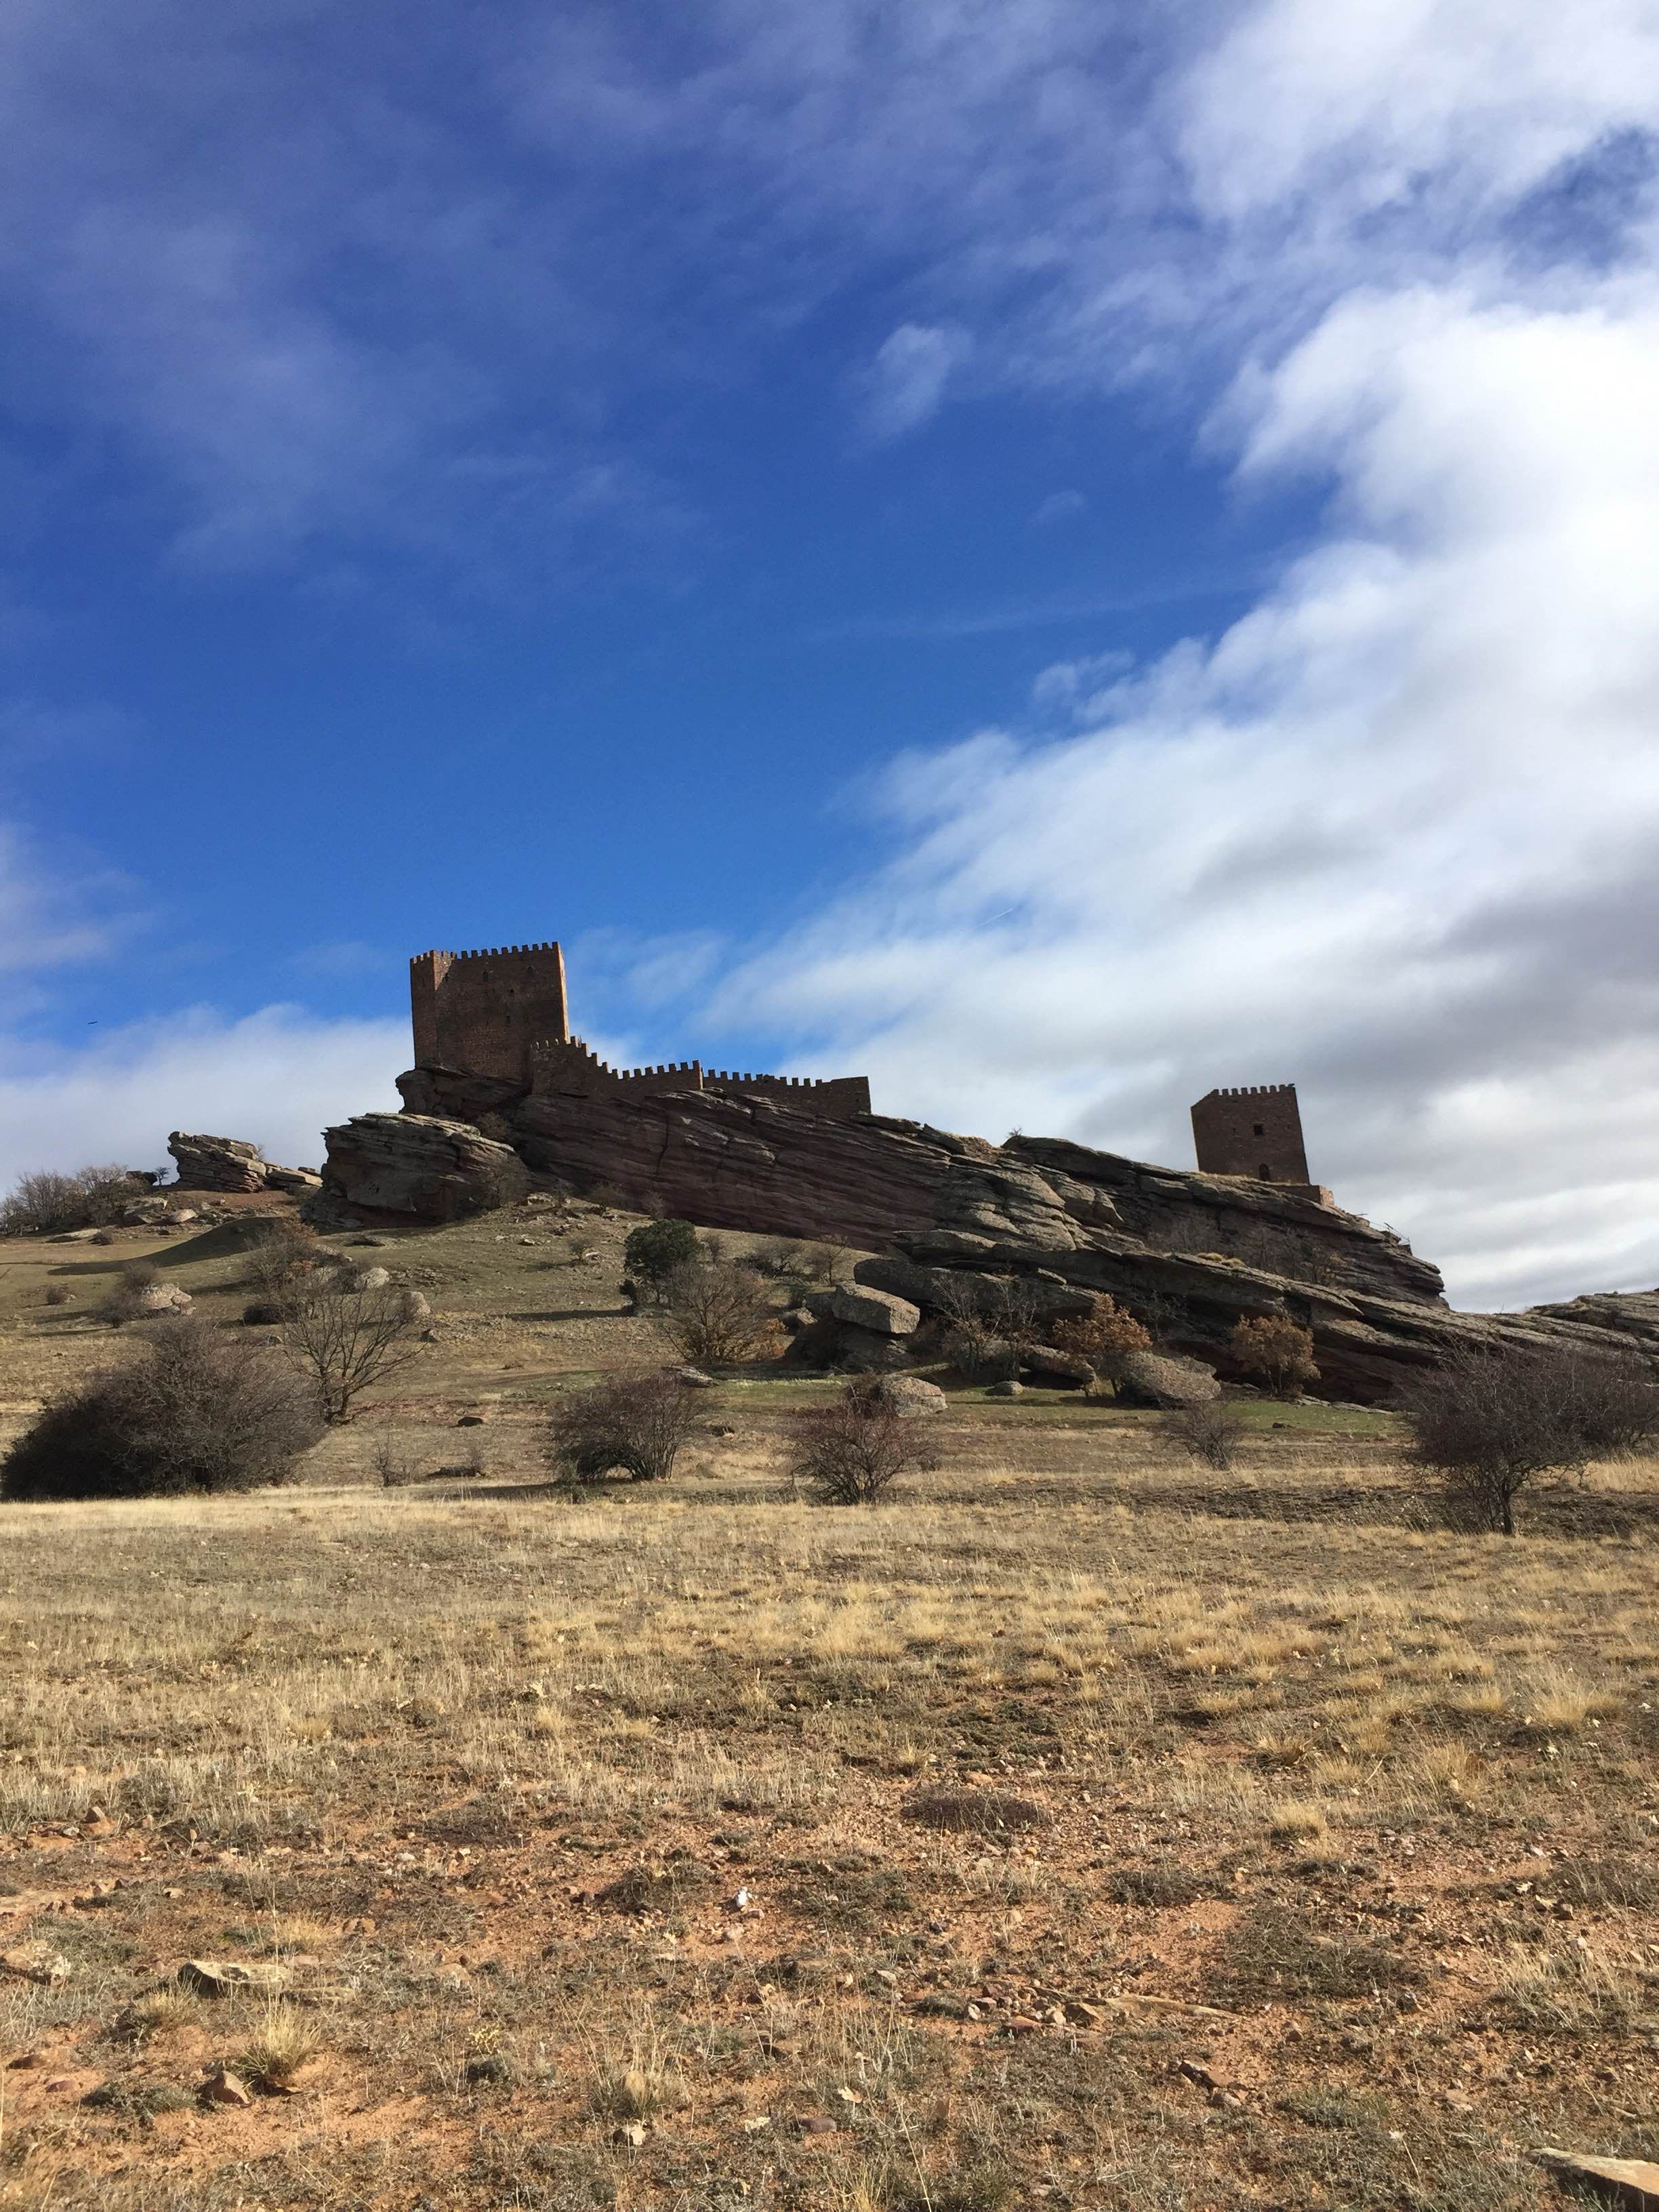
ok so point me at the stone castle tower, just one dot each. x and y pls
(483, 1011)
(1255, 1131)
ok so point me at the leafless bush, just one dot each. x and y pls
(344, 1337)
(126, 1299)
(1207, 1433)
(635, 1424)
(1274, 1351)
(720, 1315)
(56, 1294)
(978, 1354)
(1485, 1423)
(851, 1452)
(47, 1204)
(283, 1253)
(190, 1411)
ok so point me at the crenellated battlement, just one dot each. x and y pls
(502, 1011)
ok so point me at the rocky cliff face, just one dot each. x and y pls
(1193, 1253)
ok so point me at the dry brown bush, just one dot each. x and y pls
(720, 1315)
(1102, 1336)
(192, 1411)
(1274, 1351)
(1486, 1423)
(344, 1337)
(1207, 1432)
(636, 1423)
(852, 1452)
(47, 1203)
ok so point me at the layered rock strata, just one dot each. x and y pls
(950, 1217)
(230, 1163)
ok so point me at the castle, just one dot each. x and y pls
(1255, 1131)
(504, 1013)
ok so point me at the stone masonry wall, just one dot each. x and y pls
(1253, 1131)
(482, 1011)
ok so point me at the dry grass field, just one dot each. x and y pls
(1075, 1828)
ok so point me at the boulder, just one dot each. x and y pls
(231, 1163)
(1050, 1366)
(1008, 1388)
(160, 1298)
(880, 1311)
(866, 1351)
(910, 1397)
(416, 1164)
(1160, 1378)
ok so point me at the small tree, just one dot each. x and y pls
(47, 1204)
(189, 1411)
(636, 1424)
(345, 1336)
(852, 1452)
(657, 1250)
(719, 1314)
(283, 1255)
(1272, 1350)
(1104, 1336)
(1486, 1422)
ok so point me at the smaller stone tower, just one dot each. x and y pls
(482, 1011)
(1255, 1131)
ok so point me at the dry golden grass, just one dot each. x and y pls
(587, 1840)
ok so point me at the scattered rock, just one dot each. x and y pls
(880, 1311)
(1629, 2181)
(224, 2088)
(817, 2123)
(215, 1977)
(1008, 1389)
(630, 2134)
(491, 2068)
(160, 1298)
(370, 1279)
(694, 1378)
(37, 1961)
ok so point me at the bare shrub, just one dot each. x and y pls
(960, 1810)
(190, 1411)
(56, 1294)
(127, 1299)
(635, 1424)
(344, 1337)
(48, 1204)
(720, 1315)
(1486, 1423)
(1104, 1336)
(283, 1253)
(1207, 1433)
(1274, 1351)
(852, 1452)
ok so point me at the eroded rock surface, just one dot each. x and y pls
(230, 1163)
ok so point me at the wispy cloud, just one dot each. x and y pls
(904, 384)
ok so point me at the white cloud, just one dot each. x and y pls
(278, 1077)
(1394, 835)
(904, 384)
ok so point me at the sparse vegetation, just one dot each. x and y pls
(346, 1337)
(634, 1424)
(721, 1314)
(47, 1203)
(189, 1411)
(1104, 1336)
(1274, 1351)
(852, 1452)
(1485, 1425)
(1208, 1433)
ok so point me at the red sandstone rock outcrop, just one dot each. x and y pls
(232, 1165)
(1195, 1251)
(420, 1164)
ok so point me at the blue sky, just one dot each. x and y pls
(1051, 555)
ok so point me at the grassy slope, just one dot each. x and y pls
(1356, 1818)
